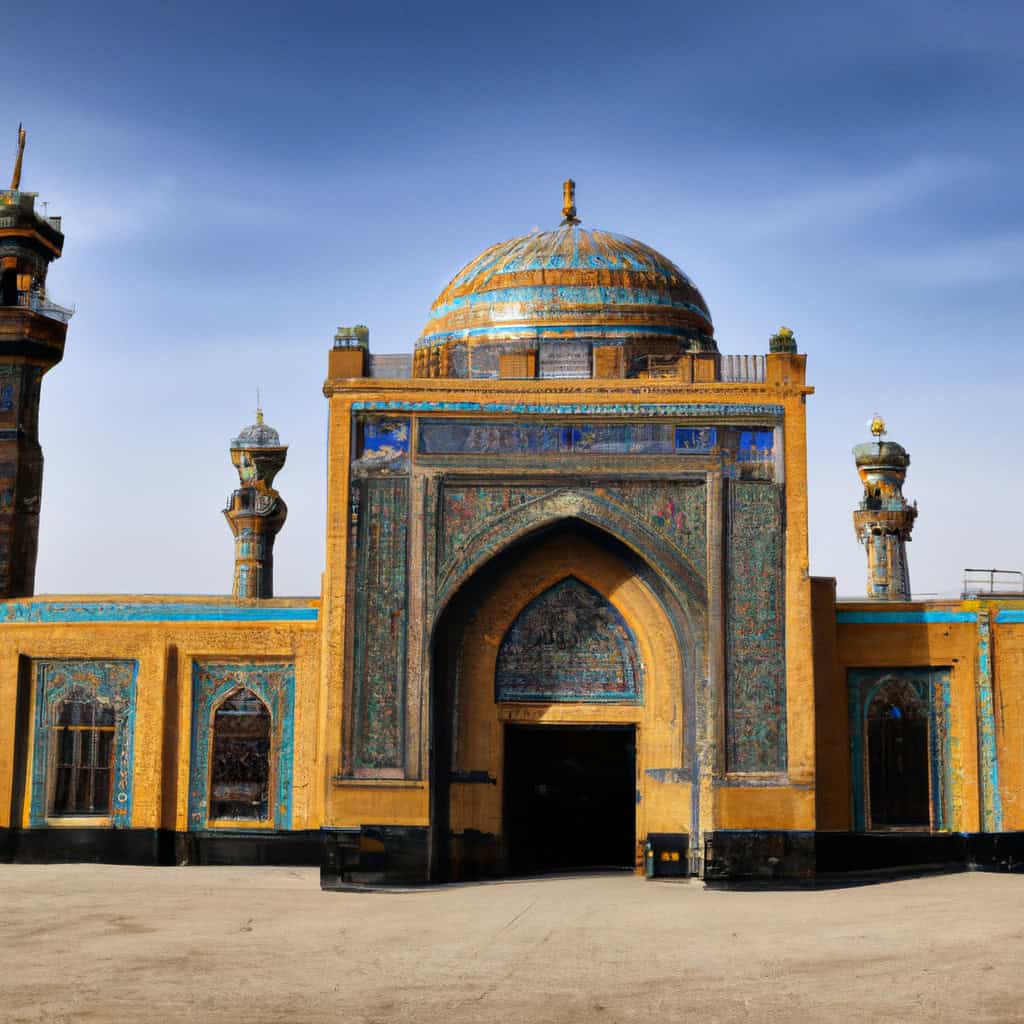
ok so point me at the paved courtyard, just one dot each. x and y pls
(99, 943)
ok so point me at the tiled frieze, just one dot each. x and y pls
(755, 700)
(568, 644)
(110, 684)
(212, 683)
(381, 621)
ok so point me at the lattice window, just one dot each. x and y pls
(240, 760)
(83, 752)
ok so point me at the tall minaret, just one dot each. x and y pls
(32, 333)
(256, 512)
(885, 518)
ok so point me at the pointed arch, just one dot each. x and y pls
(598, 510)
(240, 738)
(568, 644)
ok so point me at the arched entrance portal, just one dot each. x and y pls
(560, 725)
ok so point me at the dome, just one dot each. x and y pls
(258, 435)
(572, 288)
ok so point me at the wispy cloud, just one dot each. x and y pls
(851, 199)
(972, 261)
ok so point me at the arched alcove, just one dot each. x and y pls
(494, 628)
(240, 758)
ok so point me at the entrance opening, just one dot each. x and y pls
(570, 797)
(898, 764)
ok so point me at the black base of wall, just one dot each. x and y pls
(399, 855)
(375, 855)
(147, 846)
(758, 855)
(846, 853)
(159, 847)
(250, 849)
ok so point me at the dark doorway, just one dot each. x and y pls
(898, 765)
(570, 797)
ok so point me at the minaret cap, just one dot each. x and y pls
(16, 176)
(569, 202)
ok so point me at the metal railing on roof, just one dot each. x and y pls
(736, 369)
(992, 582)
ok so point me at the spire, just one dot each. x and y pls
(16, 176)
(259, 408)
(569, 202)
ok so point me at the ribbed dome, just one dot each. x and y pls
(569, 285)
(258, 435)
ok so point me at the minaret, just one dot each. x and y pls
(885, 518)
(32, 333)
(256, 512)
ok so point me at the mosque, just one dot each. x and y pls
(566, 619)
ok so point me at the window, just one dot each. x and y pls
(83, 751)
(240, 761)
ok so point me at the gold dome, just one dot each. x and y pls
(570, 286)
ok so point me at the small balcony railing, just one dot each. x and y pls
(993, 582)
(44, 307)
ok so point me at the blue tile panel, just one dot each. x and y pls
(991, 799)
(385, 438)
(701, 410)
(930, 686)
(755, 700)
(1009, 615)
(902, 618)
(381, 626)
(212, 683)
(131, 611)
(568, 644)
(111, 683)
(467, 437)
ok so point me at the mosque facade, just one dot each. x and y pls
(567, 618)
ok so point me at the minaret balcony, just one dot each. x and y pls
(45, 307)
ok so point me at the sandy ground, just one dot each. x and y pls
(97, 943)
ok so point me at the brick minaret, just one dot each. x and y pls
(256, 512)
(884, 519)
(32, 333)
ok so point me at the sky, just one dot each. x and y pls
(236, 180)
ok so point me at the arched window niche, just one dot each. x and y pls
(82, 742)
(240, 759)
(900, 749)
(240, 774)
(82, 747)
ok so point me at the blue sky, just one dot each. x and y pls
(238, 179)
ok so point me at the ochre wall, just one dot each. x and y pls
(785, 798)
(163, 725)
(1008, 683)
(903, 645)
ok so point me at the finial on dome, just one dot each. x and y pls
(259, 408)
(569, 202)
(877, 427)
(16, 176)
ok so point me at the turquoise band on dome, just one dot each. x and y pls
(586, 295)
(568, 332)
